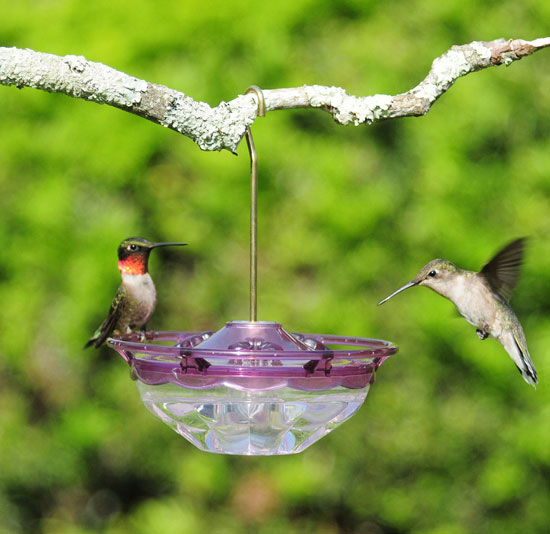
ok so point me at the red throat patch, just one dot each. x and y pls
(134, 264)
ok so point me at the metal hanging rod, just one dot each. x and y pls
(254, 206)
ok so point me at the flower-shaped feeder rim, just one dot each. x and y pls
(252, 387)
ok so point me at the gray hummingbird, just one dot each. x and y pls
(136, 298)
(482, 299)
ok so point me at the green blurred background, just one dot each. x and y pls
(451, 440)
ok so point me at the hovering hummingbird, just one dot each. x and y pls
(482, 299)
(136, 298)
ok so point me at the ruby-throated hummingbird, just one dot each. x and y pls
(136, 298)
(482, 299)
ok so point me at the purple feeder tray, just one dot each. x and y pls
(252, 388)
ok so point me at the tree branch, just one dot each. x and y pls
(223, 126)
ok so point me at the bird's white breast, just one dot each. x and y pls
(142, 294)
(472, 298)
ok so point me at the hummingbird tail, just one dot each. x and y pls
(90, 342)
(523, 361)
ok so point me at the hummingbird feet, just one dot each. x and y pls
(146, 335)
(482, 334)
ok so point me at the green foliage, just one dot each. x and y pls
(450, 441)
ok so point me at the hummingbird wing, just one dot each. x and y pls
(109, 324)
(503, 271)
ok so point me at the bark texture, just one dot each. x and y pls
(223, 126)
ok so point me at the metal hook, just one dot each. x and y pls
(254, 207)
(261, 100)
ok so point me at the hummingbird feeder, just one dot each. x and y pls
(252, 388)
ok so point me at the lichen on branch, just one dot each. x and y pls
(223, 126)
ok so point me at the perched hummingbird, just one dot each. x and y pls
(482, 299)
(136, 298)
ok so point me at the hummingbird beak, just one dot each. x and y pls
(155, 245)
(406, 286)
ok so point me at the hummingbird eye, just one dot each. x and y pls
(132, 247)
(432, 273)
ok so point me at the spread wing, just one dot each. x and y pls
(109, 324)
(503, 271)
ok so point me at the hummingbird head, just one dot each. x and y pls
(437, 275)
(133, 254)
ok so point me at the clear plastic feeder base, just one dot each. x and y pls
(228, 420)
(252, 388)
